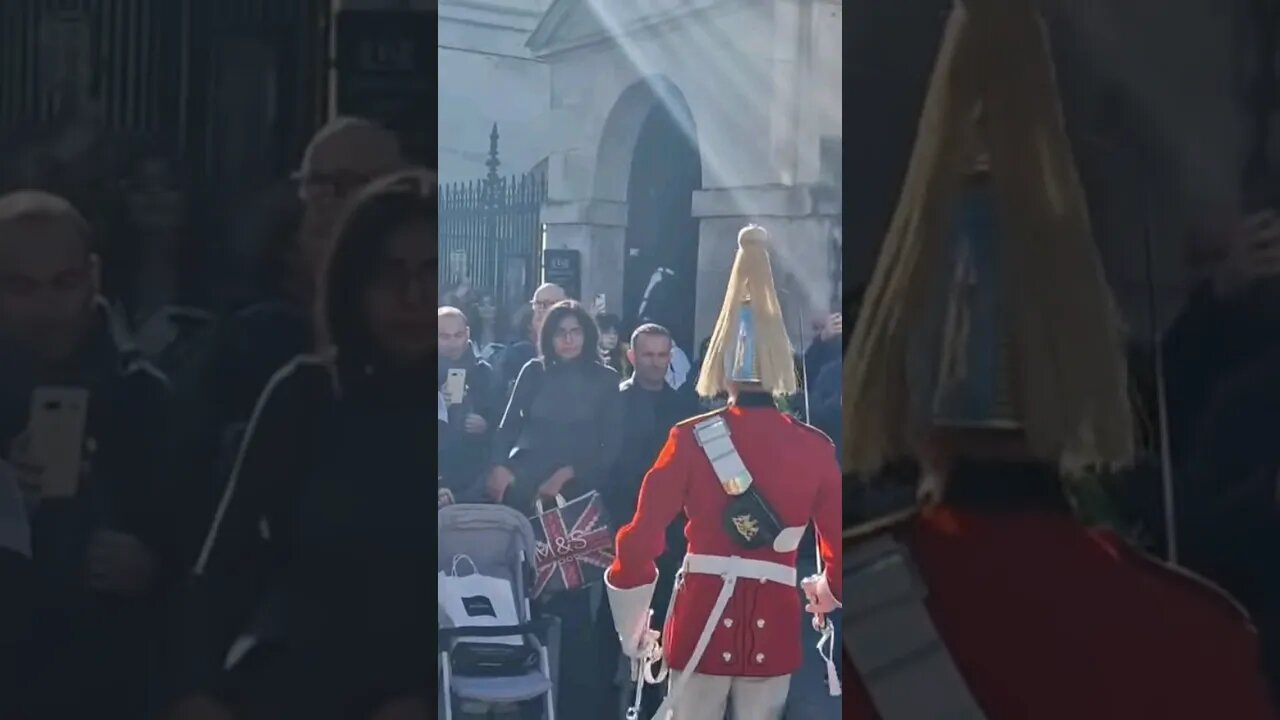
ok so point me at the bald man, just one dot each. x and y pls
(263, 335)
(517, 354)
(101, 542)
(343, 157)
(473, 412)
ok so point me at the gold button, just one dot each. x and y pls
(760, 622)
(728, 622)
(728, 657)
(759, 657)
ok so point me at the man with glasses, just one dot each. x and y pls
(263, 335)
(343, 157)
(519, 353)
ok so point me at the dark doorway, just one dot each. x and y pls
(662, 235)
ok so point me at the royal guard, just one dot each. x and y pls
(750, 479)
(989, 350)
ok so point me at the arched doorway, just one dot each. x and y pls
(661, 242)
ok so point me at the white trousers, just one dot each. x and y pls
(706, 697)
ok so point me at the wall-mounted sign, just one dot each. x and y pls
(564, 268)
(386, 70)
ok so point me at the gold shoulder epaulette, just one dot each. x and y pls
(699, 418)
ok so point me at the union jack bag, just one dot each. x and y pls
(574, 544)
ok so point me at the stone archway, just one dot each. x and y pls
(649, 159)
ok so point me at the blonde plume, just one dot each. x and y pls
(1068, 360)
(750, 281)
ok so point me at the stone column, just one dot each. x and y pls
(800, 228)
(597, 230)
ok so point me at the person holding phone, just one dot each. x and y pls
(468, 387)
(82, 423)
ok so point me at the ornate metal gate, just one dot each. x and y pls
(491, 231)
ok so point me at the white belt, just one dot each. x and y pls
(740, 567)
(731, 569)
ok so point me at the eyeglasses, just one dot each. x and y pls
(331, 185)
(417, 181)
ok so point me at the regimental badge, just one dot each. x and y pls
(747, 526)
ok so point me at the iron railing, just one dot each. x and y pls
(491, 231)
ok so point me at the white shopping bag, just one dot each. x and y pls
(477, 600)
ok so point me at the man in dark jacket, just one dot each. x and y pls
(473, 411)
(652, 407)
(101, 541)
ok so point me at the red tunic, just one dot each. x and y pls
(1048, 620)
(794, 468)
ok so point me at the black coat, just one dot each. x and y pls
(94, 652)
(560, 415)
(464, 456)
(325, 549)
(648, 417)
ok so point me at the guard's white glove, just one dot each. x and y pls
(643, 647)
(818, 595)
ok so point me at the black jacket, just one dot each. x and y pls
(324, 550)
(510, 362)
(128, 488)
(253, 343)
(464, 456)
(562, 414)
(648, 417)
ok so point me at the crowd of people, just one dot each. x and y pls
(566, 405)
(210, 500)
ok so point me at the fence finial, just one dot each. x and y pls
(493, 162)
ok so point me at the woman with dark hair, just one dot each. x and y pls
(560, 431)
(613, 351)
(486, 331)
(324, 614)
(559, 437)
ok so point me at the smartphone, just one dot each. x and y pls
(600, 304)
(56, 438)
(455, 386)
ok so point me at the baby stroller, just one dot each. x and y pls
(499, 542)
